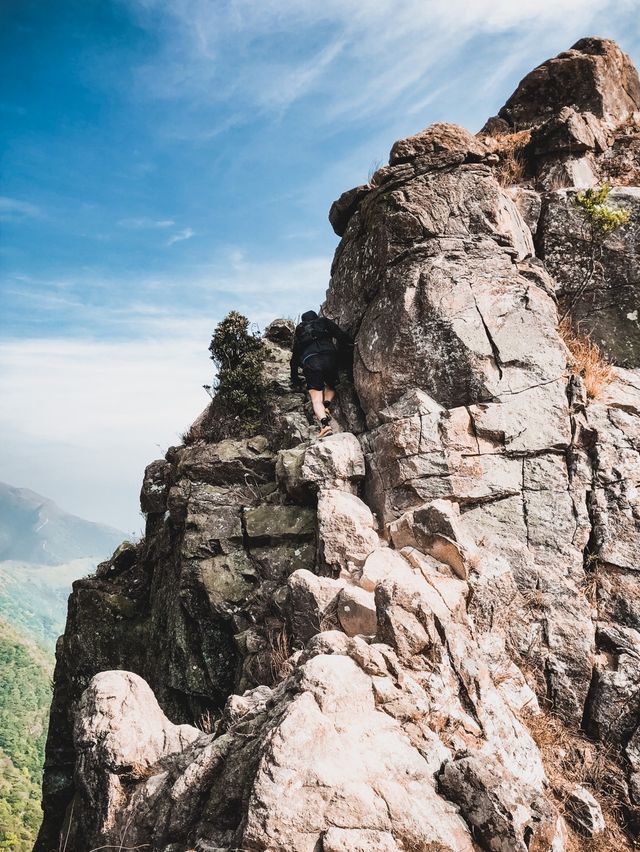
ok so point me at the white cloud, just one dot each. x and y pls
(361, 56)
(184, 302)
(14, 208)
(145, 222)
(82, 418)
(179, 236)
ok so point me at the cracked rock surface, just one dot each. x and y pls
(365, 643)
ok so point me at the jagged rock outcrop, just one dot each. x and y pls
(379, 632)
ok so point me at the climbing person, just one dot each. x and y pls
(316, 352)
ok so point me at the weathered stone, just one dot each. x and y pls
(289, 472)
(120, 731)
(279, 522)
(380, 564)
(497, 808)
(469, 356)
(584, 812)
(529, 205)
(614, 706)
(281, 331)
(439, 145)
(356, 611)
(228, 461)
(153, 495)
(608, 307)
(594, 76)
(313, 601)
(334, 462)
(229, 580)
(346, 530)
(569, 132)
(277, 561)
(123, 559)
(344, 207)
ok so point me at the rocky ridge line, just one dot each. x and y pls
(357, 615)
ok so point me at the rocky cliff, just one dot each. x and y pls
(423, 632)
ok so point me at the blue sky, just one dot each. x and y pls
(165, 161)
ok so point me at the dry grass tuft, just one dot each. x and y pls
(207, 722)
(587, 360)
(279, 653)
(510, 147)
(589, 587)
(557, 181)
(569, 758)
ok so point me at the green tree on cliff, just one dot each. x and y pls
(240, 392)
(601, 220)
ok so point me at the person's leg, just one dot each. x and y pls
(316, 402)
(329, 393)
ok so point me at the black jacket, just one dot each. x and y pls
(325, 332)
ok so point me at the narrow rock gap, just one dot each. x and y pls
(494, 348)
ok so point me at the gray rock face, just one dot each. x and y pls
(608, 307)
(359, 623)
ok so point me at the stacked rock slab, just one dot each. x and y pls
(354, 616)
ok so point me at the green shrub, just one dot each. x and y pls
(603, 219)
(240, 392)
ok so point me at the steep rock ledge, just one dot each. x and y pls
(351, 621)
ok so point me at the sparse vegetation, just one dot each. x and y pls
(279, 653)
(587, 360)
(569, 758)
(601, 220)
(600, 216)
(207, 722)
(240, 400)
(511, 149)
(24, 702)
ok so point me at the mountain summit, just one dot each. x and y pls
(422, 632)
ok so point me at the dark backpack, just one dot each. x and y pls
(314, 337)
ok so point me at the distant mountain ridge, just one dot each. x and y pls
(34, 529)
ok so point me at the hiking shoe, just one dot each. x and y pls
(326, 430)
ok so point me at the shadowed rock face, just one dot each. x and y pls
(354, 616)
(608, 306)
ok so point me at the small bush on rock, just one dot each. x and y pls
(601, 217)
(601, 220)
(240, 397)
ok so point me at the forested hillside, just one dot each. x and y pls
(24, 701)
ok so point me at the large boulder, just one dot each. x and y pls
(436, 257)
(346, 529)
(594, 76)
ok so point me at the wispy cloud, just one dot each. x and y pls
(16, 209)
(179, 236)
(188, 302)
(145, 222)
(357, 56)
